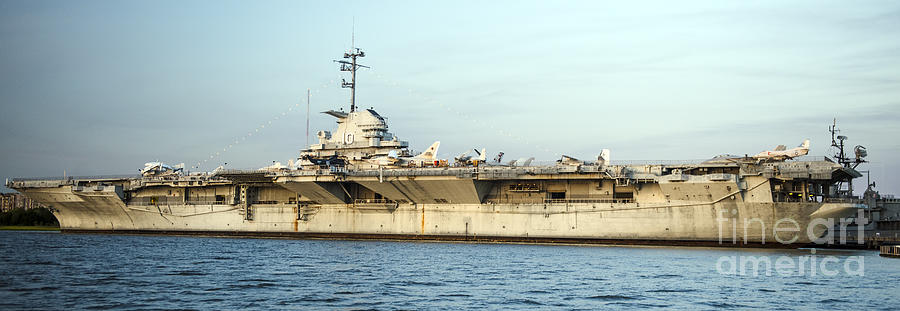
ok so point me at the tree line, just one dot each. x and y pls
(28, 217)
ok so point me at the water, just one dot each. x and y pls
(64, 271)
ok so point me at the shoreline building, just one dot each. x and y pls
(12, 200)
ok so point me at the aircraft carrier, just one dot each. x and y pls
(361, 181)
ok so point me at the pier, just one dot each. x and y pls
(890, 251)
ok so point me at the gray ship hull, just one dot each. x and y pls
(725, 223)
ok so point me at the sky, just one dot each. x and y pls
(101, 87)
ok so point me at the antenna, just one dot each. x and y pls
(307, 118)
(351, 66)
(837, 141)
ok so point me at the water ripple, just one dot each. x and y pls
(67, 271)
(611, 297)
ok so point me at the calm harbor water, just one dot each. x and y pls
(53, 271)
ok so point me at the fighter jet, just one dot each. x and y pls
(329, 161)
(161, 169)
(276, 166)
(729, 158)
(521, 162)
(499, 157)
(603, 158)
(567, 160)
(462, 158)
(466, 159)
(780, 154)
(393, 159)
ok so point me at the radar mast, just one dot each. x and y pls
(351, 66)
(837, 142)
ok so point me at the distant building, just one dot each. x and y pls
(883, 215)
(14, 200)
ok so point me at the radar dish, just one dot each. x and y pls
(860, 152)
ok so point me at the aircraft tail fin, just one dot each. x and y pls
(603, 159)
(528, 161)
(805, 144)
(483, 155)
(430, 153)
(463, 155)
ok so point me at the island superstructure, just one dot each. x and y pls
(362, 181)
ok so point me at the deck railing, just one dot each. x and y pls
(844, 200)
(101, 177)
(381, 203)
(537, 167)
(373, 201)
(567, 201)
